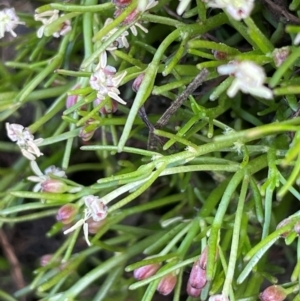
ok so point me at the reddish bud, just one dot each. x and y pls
(146, 271)
(72, 99)
(280, 55)
(193, 292)
(86, 135)
(110, 107)
(273, 293)
(167, 284)
(137, 82)
(67, 213)
(45, 259)
(87, 131)
(94, 226)
(54, 186)
(220, 55)
(282, 224)
(197, 276)
(297, 228)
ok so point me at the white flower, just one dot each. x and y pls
(25, 140)
(120, 42)
(237, 9)
(182, 6)
(95, 209)
(9, 21)
(49, 17)
(106, 82)
(41, 178)
(249, 78)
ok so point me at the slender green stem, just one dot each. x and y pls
(235, 238)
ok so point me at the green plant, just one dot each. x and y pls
(220, 177)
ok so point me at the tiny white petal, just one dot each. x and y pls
(37, 187)
(35, 168)
(297, 39)
(141, 27)
(183, 4)
(27, 154)
(117, 98)
(233, 89)
(34, 178)
(134, 30)
(86, 233)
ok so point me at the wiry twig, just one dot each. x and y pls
(15, 268)
(164, 119)
(281, 10)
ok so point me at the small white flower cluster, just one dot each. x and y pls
(105, 81)
(49, 17)
(25, 140)
(237, 9)
(120, 42)
(95, 209)
(41, 178)
(249, 78)
(9, 21)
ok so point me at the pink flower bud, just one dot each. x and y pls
(110, 107)
(297, 228)
(220, 55)
(44, 260)
(86, 133)
(167, 284)
(72, 99)
(146, 271)
(203, 258)
(54, 186)
(193, 292)
(282, 224)
(273, 293)
(67, 213)
(197, 276)
(137, 82)
(280, 55)
(94, 226)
